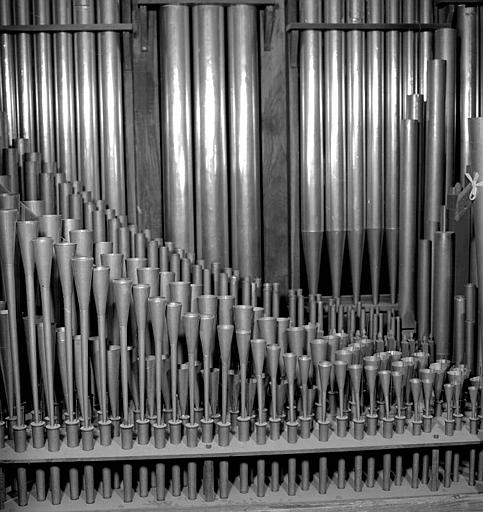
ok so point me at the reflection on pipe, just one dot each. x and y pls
(335, 173)
(176, 135)
(356, 217)
(311, 142)
(211, 169)
(86, 99)
(244, 139)
(110, 78)
(64, 86)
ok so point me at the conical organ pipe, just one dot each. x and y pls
(64, 86)
(391, 143)
(25, 76)
(7, 56)
(356, 217)
(374, 138)
(408, 186)
(435, 152)
(86, 99)
(110, 76)
(335, 173)
(45, 86)
(311, 142)
(244, 133)
(210, 134)
(176, 135)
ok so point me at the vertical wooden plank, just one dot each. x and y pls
(146, 122)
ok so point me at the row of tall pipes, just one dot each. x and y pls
(62, 91)
(384, 134)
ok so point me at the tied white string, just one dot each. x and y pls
(474, 183)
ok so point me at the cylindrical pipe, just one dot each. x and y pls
(408, 186)
(425, 45)
(211, 168)
(335, 172)
(311, 142)
(408, 54)
(244, 135)
(110, 76)
(64, 86)
(374, 137)
(466, 21)
(25, 77)
(424, 288)
(86, 99)
(176, 135)
(435, 154)
(443, 273)
(7, 56)
(45, 86)
(445, 48)
(392, 144)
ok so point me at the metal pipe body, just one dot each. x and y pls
(435, 151)
(244, 134)
(391, 153)
(8, 88)
(112, 132)
(466, 25)
(375, 144)
(356, 181)
(408, 54)
(443, 276)
(445, 48)
(311, 142)
(25, 77)
(44, 83)
(211, 166)
(425, 45)
(86, 99)
(334, 113)
(424, 289)
(177, 158)
(408, 221)
(65, 99)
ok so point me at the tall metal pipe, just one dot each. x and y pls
(445, 48)
(424, 288)
(335, 172)
(375, 144)
(25, 77)
(466, 25)
(112, 133)
(408, 221)
(177, 158)
(64, 87)
(44, 83)
(244, 135)
(7, 56)
(391, 143)
(86, 99)
(211, 166)
(408, 65)
(311, 142)
(425, 45)
(443, 276)
(356, 182)
(435, 152)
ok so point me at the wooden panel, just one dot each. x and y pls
(275, 154)
(146, 123)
